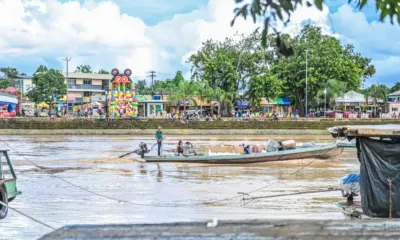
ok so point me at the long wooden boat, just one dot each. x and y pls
(330, 151)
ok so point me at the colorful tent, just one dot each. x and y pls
(43, 105)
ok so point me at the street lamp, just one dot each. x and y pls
(67, 59)
(306, 83)
(241, 93)
(325, 103)
(106, 105)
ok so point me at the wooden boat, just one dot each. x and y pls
(330, 151)
(8, 183)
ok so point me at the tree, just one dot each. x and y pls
(141, 87)
(281, 11)
(84, 69)
(46, 84)
(326, 59)
(178, 78)
(41, 68)
(395, 88)
(263, 85)
(228, 64)
(203, 91)
(102, 71)
(223, 98)
(376, 92)
(184, 92)
(7, 76)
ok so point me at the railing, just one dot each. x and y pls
(85, 87)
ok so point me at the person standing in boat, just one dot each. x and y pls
(159, 138)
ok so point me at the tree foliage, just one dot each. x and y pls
(41, 68)
(272, 12)
(318, 58)
(7, 76)
(84, 69)
(102, 71)
(46, 84)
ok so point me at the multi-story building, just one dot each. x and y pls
(87, 87)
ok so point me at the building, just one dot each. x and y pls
(87, 87)
(354, 101)
(394, 102)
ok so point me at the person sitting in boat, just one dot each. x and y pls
(179, 148)
(246, 149)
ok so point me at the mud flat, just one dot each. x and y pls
(249, 230)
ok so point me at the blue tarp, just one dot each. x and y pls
(242, 104)
(11, 107)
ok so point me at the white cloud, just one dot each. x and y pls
(378, 41)
(97, 33)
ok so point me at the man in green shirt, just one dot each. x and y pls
(159, 138)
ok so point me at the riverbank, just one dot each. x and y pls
(39, 126)
(311, 134)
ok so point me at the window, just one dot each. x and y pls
(87, 81)
(87, 94)
(71, 82)
(395, 109)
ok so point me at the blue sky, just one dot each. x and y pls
(161, 34)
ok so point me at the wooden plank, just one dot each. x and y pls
(250, 230)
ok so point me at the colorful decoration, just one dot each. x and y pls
(121, 96)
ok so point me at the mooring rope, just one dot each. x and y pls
(27, 216)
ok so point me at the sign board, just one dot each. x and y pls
(98, 98)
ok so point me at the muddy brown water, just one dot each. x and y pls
(166, 192)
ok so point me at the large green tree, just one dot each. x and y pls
(46, 84)
(280, 11)
(317, 59)
(84, 69)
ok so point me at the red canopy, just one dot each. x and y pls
(9, 90)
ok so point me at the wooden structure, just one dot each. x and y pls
(388, 130)
(250, 230)
(323, 152)
(8, 183)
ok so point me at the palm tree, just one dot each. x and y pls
(204, 92)
(223, 97)
(184, 92)
(335, 89)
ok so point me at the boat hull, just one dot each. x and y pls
(330, 152)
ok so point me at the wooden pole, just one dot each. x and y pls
(390, 198)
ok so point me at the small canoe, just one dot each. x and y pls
(321, 152)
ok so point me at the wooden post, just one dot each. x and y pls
(390, 198)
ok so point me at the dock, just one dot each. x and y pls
(249, 230)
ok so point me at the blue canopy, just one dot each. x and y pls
(243, 104)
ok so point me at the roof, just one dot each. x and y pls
(352, 96)
(80, 75)
(386, 130)
(397, 93)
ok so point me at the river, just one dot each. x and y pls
(156, 193)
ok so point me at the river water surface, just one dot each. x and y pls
(156, 193)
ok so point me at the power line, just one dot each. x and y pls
(26, 215)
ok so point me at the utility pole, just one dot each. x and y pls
(67, 59)
(307, 83)
(152, 75)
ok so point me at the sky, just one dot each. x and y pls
(160, 35)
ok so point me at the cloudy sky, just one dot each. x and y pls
(160, 34)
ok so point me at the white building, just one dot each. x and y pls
(394, 102)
